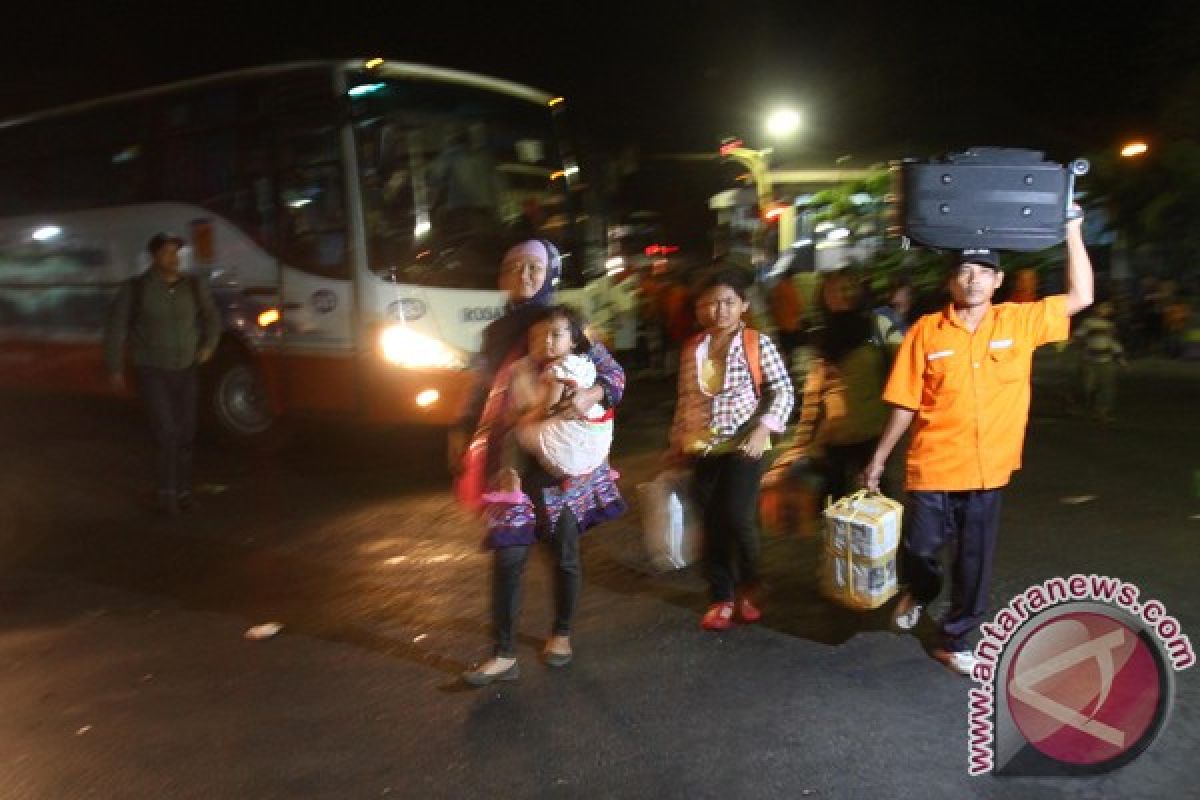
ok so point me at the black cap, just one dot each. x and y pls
(158, 240)
(982, 256)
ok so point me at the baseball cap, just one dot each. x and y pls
(982, 256)
(158, 240)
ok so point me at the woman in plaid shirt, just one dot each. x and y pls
(723, 424)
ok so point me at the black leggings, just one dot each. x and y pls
(726, 492)
(508, 569)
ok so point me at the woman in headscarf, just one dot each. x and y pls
(561, 510)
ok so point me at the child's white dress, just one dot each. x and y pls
(564, 447)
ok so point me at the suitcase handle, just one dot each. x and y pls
(1076, 168)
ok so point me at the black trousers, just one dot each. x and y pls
(508, 570)
(969, 520)
(170, 397)
(725, 488)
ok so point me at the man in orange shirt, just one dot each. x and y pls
(963, 375)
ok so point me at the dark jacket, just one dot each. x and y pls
(173, 323)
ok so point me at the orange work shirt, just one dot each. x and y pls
(970, 392)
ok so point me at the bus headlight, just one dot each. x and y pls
(407, 348)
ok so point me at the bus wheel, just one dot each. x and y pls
(238, 406)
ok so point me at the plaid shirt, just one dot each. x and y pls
(716, 419)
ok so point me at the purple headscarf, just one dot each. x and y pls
(539, 249)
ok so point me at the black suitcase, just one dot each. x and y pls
(985, 197)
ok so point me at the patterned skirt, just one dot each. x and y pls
(512, 519)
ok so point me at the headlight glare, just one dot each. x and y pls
(406, 348)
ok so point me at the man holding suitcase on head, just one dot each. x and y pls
(963, 375)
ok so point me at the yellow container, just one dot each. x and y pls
(862, 537)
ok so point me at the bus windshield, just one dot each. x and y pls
(450, 174)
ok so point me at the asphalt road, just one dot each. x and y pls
(124, 672)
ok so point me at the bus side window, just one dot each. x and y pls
(312, 201)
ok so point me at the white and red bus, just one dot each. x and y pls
(349, 217)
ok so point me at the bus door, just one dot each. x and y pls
(316, 286)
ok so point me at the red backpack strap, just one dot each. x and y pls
(751, 344)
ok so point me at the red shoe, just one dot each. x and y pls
(719, 617)
(746, 611)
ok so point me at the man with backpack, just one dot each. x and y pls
(171, 325)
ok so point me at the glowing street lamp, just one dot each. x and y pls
(782, 123)
(1134, 149)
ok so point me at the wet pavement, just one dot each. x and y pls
(124, 672)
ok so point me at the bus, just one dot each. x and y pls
(349, 217)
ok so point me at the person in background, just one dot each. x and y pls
(651, 306)
(679, 318)
(1148, 320)
(1101, 357)
(963, 375)
(839, 292)
(891, 319)
(842, 412)
(171, 325)
(1177, 317)
(1026, 287)
(787, 312)
(468, 188)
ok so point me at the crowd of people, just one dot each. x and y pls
(530, 451)
(531, 448)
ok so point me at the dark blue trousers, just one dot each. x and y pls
(969, 521)
(170, 397)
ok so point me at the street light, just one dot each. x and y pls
(1134, 149)
(782, 123)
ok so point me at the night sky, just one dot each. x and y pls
(675, 76)
(875, 80)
